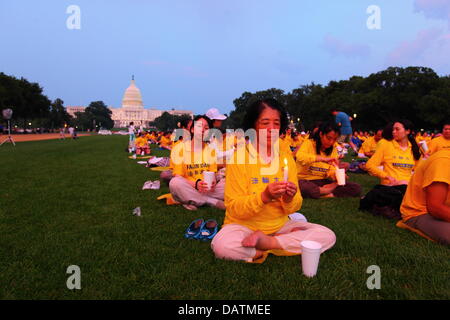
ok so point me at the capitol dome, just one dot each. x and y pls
(132, 97)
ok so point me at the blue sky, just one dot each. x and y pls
(194, 55)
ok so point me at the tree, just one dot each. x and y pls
(58, 115)
(99, 114)
(25, 99)
(168, 122)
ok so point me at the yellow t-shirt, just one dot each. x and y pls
(177, 145)
(396, 162)
(307, 166)
(437, 144)
(165, 142)
(141, 142)
(190, 165)
(245, 183)
(434, 169)
(370, 145)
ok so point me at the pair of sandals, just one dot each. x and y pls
(200, 229)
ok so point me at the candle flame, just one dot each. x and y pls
(285, 162)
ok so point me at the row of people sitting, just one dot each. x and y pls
(262, 190)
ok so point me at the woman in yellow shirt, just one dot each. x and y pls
(426, 205)
(317, 160)
(190, 159)
(166, 142)
(261, 191)
(398, 155)
(442, 142)
(142, 146)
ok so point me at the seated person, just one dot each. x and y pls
(165, 141)
(442, 142)
(317, 160)
(369, 146)
(180, 136)
(258, 199)
(426, 204)
(141, 144)
(397, 154)
(189, 162)
(368, 149)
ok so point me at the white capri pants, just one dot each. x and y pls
(227, 244)
(183, 192)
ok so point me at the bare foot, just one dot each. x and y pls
(190, 207)
(260, 241)
(220, 205)
(251, 240)
(330, 195)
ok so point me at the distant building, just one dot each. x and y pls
(132, 109)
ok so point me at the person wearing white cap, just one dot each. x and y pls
(220, 146)
(216, 117)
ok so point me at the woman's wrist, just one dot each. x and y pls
(265, 197)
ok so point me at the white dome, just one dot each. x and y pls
(132, 97)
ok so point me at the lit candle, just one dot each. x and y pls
(285, 170)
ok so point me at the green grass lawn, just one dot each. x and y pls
(70, 202)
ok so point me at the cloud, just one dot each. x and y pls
(434, 9)
(430, 48)
(409, 52)
(337, 47)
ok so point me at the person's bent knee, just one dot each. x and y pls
(176, 182)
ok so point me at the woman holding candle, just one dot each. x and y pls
(317, 160)
(261, 191)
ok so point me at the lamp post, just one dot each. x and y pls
(7, 115)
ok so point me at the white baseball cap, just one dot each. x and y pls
(214, 114)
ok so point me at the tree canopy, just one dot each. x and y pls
(168, 122)
(414, 93)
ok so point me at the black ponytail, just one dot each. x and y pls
(408, 125)
(414, 147)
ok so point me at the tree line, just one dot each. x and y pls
(415, 93)
(30, 105)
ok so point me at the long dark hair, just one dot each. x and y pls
(408, 125)
(325, 128)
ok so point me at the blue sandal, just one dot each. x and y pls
(208, 230)
(194, 229)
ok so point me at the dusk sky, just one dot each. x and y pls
(198, 54)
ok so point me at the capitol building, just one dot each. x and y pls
(132, 110)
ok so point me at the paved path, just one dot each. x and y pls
(34, 137)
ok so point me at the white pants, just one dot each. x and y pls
(183, 192)
(227, 244)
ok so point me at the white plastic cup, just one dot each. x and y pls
(310, 257)
(209, 177)
(340, 176)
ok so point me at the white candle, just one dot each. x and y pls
(285, 170)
